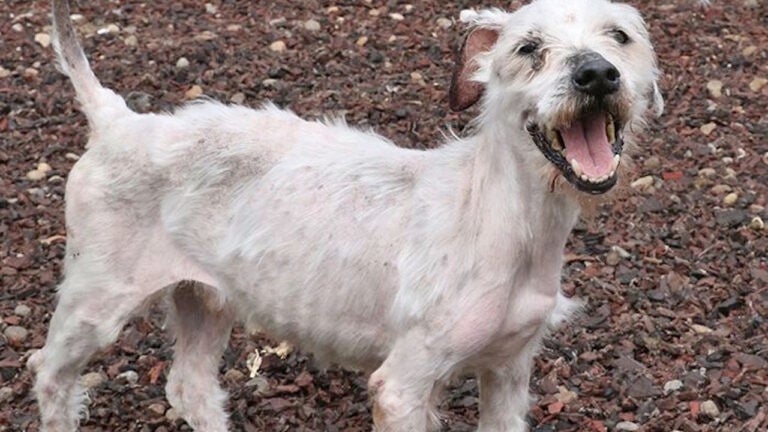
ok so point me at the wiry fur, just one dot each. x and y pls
(411, 265)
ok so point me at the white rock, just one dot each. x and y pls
(16, 335)
(129, 376)
(22, 310)
(182, 63)
(4, 72)
(35, 175)
(211, 9)
(131, 40)
(708, 128)
(707, 172)
(92, 379)
(194, 92)
(757, 224)
(44, 39)
(643, 183)
(715, 88)
(17, 27)
(312, 25)
(6, 394)
(672, 386)
(72, 157)
(700, 329)
(158, 409)
(757, 84)
(627, 426)
(44, 167)
(237, 98)
(109, 29)
(277, 46)
(709, 408)
(731, 199)
(172, 415)
(396, 16)
(269, 82)
(444, 23)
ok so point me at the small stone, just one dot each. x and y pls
(748, 51)
(277, 46)
(172, 415)
(16, 335)
(700, 329)
(757, 84)
(206, 35)
(36, 175)
(182, 63)
(110, 29)
(234, 375)
(31, 73)
(720, 189)
(757, 224)
(277, 22)
(565, 396)
(129, 376)
(707, 172)
(234, 28)
(4, 73)
(72, 157)
(715, 88)
(374, 12)
(44, 167)
(416, 77)
(361, 41)
(672, 386)
(44, 39)
(708, 128)
(312, 25)
(17, 27)
(22, 310)
(92, 379)
(157, 409)
(6, 394)
(652, 163)
(643, 183)
(731, 199)
(211, 9)
(396, 16)
(131, 40)
(237, 98)
(193, 92)
(710, 409)
(332, 9)
(627, 426)
(765, 158)
(444, 23)
(269, 83)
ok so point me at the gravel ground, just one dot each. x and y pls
(674, 273)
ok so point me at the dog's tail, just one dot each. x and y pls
(100, 105)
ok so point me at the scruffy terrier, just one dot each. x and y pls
(411, 265)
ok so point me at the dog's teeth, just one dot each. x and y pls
(554, 139)
(576, 167)
(616, 161)
(610, 130)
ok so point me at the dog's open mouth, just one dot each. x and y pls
(587, 151)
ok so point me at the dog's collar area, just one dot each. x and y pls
(550, 143)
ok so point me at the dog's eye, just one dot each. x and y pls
(528, 48)
(621, 36)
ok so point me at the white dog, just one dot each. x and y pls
(412, 265)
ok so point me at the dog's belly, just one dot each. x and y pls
(308, 257)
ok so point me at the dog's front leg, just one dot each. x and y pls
(401, 389)
(504, 399)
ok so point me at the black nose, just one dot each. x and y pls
(595, 76)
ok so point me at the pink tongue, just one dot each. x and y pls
(586, 141)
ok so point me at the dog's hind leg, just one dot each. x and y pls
(201, 325)
(90, 314)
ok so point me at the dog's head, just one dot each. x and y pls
(575, 75)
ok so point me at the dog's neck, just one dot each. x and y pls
(509, 194)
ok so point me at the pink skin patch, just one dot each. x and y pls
(586, 141)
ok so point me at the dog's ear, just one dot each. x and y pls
(658, 100)
(465, 89)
